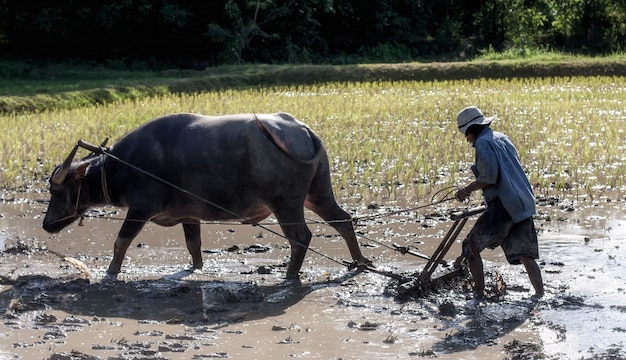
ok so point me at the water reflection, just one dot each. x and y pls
(584, 266)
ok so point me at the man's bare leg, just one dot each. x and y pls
(534, 274)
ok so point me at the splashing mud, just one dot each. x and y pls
(240, 306)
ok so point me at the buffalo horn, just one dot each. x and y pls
(59, 175)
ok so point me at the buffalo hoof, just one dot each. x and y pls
(109, 279)
(361, 264)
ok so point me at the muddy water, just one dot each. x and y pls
(590, 273)
(240, 306)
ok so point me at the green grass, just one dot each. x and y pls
(35, 87)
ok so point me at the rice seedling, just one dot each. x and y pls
(386, 140)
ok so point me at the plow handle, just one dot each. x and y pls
(457, 215)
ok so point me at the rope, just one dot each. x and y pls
(308, 221)
(446, 197)
(187, 192)
(104, 151)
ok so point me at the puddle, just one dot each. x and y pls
(590, 287)
(240, 306)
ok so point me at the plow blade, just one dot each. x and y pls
(423, 282)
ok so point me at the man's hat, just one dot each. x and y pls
(469, 116)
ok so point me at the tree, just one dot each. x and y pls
(190, 32)
(243, 21)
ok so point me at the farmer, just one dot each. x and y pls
(507, 221)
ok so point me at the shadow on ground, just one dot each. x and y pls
(168, 299)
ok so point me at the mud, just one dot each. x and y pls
(57, 303)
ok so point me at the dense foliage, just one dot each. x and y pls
(196, 33)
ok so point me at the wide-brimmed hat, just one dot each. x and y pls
(471, 115)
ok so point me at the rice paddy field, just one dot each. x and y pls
(386, 140)
(391, 144)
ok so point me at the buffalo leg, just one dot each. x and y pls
(321, 200)
(299, 236)
(341, 221)
(127, 233)
(193, 241)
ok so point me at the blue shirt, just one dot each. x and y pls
(497, 163)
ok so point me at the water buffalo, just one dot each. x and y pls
(185, 168)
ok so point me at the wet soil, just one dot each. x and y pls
(57, 303)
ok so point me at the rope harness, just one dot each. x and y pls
(75, 214)
(103, 180)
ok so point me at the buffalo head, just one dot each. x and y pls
(66, 190)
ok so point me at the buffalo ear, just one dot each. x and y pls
(80, 171)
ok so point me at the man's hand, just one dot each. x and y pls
(462, 193)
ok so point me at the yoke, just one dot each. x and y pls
(423, 281)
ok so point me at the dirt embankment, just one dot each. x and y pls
(121, 87)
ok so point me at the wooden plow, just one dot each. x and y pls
(422, 282)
